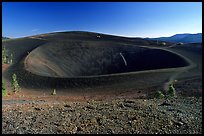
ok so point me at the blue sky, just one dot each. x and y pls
(130, 19)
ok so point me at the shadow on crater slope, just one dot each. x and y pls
(81, 59)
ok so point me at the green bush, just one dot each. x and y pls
(4, 91)
(171, 91)
(159, 95)
(15, 84)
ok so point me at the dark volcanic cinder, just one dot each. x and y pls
(78, 59)
(84, 59)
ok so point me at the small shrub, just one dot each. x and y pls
(54, 92)
(4, 91)
(159, 95)
(15, 84)
(171, 91)
(3, 55)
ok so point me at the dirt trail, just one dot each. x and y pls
(180, 71)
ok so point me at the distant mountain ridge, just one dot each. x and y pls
(185, 38)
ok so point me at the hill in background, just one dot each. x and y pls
(184, 38)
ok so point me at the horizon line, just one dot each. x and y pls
(58, 31)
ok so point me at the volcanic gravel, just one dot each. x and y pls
(181, 115)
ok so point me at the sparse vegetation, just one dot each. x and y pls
(6, 59)
(54, 92)
(172, 91)
(159, 95)
(4, 91)
(3, 55)
(15, 84)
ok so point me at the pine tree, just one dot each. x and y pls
(4, 91)
(3, 55)
(159, 95)
(15, 84)
(171, 91)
